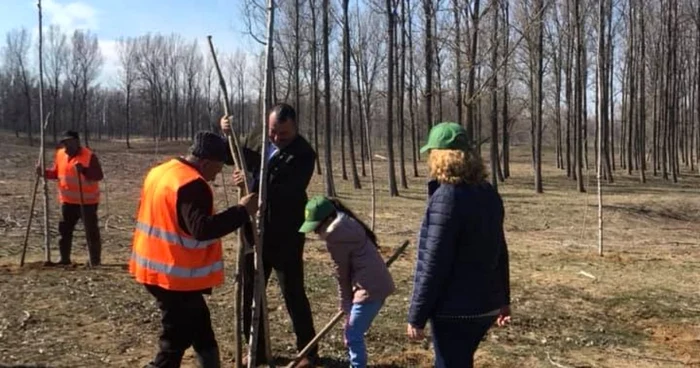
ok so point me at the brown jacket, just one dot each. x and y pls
(361, 272)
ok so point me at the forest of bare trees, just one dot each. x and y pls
(375, 75)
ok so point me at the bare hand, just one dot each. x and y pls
(414, 333)
(250, 202)
(503, 316)
(238, 179)
(225, 124)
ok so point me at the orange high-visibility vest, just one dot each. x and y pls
(163, 254)
(68, 187)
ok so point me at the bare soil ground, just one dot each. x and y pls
(641, 309)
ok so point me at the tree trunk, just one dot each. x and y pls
(539, 73)
(314, 82)
(494, 95)
(428, 49)
(329, 185)
(505, 117)
(347, 96)
(411, 86)
(402, 95)
(642, 99)
(471, 101)
(580, 90)
(457, 4)
(393, 189)
(557, 100)
(363, 134)
(570, 105)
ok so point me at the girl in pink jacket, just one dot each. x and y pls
(364, 281)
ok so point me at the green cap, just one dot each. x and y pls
(447, 135)
(317, 209)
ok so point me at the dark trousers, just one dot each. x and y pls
(288, 263)
(456, 340)
(186, 322)
(70, 214)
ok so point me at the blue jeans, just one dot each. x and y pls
(361, 317)
(455, 341)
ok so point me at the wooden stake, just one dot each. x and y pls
(239, 162)
(31, 207)
(259, 300)
(47, 233)
(29, 222)
(338, 316)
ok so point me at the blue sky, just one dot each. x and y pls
(111, 19)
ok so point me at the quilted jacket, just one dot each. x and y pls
(462, 261)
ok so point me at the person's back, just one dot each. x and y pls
(476, 269)
(461, 283)
(358, 263)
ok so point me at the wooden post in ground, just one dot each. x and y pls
(239, 162)
(42, 125)
(259, 300)
(31, 208)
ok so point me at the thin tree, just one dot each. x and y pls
(128, 77)
(472, 116)
(505, 117)
(579, 91)
(494, 93)
(315, 102)
(393, 189)
(347, 96)
(411, 90)
(602, 111)
(329, 185)
(401, 97)
(456, 7)
(42, 128)
(538, 73)
(428, 50)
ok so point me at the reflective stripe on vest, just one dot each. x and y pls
(174, 238)
(74, 180)
(177, 271)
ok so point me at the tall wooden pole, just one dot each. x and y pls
(259, 300)
(240, 163)
(47, 233)
(602, 80)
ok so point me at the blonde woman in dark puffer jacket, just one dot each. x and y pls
(462, 282)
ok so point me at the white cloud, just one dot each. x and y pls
(110, 68)
(71, 16)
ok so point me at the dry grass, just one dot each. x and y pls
(641, 310)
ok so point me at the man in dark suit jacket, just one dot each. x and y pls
(290, 168)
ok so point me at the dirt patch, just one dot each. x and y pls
(627, 315)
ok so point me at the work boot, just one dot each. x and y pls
(208, 358)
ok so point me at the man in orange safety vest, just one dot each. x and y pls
(177, 252)
(78, 172)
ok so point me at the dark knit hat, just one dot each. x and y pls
(211, 146)
(69, 134)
